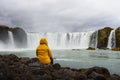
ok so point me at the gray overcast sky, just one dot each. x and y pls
(60, 15)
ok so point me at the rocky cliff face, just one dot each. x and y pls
(117, 32)
(4, 33)
(19, 36)
(103, 35)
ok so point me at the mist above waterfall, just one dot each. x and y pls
(59, 15)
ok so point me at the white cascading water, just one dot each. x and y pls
(111, 40)
(58, 40)
(75, 40)
(85, 40)
(9, 44)
(11, 40)
(94, 40)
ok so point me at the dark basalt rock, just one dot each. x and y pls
(81, 77)
(97, 76)
(15, 68)
(20, 37)
(101, 70)
(25, 60)
(115, 77)
(56, 66)
(63, 74)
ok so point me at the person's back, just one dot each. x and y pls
(43, 52)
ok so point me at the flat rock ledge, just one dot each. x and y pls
(15, 68)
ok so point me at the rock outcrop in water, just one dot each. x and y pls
(116, 49)
(90, 48)
(19, 36)
(15, 68)
(103, 35)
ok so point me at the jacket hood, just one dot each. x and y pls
(43, 41)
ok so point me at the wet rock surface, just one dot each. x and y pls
(15, 68)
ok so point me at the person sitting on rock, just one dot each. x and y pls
(44, 53)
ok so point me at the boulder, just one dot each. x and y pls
(57, 66)
(115, 77)
(81, 77)
(97, 76)
(63, 74)
(90, 48)
(101, 70)
(24, 60)
(96, 72)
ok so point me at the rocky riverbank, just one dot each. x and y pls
(15, 68)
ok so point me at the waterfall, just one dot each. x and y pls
(111, 40)
(11, 40)
(85, 40)
(9, 44)
(33, 39)
(94, 40)
(74, 40)
(58, 40)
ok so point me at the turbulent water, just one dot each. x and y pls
(79, 58)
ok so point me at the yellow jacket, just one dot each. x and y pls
(43, 52)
